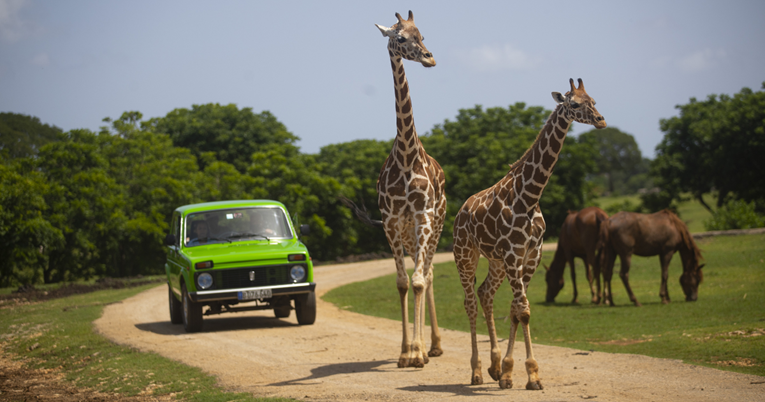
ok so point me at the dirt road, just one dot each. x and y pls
(348, 356)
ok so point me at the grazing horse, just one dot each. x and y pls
(579, 237)
(661, 233)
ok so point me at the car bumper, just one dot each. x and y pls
(231, 294)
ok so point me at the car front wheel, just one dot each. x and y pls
(176, 307)
(192, 313)
(305, 308)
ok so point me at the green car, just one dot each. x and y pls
(232, 256)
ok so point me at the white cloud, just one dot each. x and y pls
(12, 27)
(41, 59)
(498, 58)
(701, 60)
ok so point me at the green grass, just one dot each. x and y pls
(59, 334)
(731, 299)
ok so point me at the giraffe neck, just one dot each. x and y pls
(407, 146)
(533, 171)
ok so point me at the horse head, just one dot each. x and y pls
(690, 280)
(554, 278)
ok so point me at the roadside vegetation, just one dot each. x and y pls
(58, 335)
(724, 329)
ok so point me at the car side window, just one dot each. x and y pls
(177, 229)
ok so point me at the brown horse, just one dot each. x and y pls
(578, 238)
(661, 233)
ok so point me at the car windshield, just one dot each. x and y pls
(238, 224)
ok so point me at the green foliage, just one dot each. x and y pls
(714, 145)
(619, 161)
(356, 166)
(59, 335)
(232, 134)
(25, 234)
(711, 331)
(22, 136)
(735, 214)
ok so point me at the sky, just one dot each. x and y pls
(322, 68)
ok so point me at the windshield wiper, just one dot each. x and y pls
(246, 234)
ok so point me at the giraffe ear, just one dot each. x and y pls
(558, 97)
(385, 31)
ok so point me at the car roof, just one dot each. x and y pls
(209, 206)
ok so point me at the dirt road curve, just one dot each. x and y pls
(348, 356)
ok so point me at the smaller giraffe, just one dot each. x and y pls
(504, 224)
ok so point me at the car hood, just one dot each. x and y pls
(245, 252)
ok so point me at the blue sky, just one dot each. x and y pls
(322, 67)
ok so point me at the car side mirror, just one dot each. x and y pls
(305, 229)
(170, 240)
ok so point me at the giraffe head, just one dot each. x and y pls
(406, 41)
(580, 106)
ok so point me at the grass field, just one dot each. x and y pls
(723, 329)
(58, 334)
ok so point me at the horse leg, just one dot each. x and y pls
(593, 296)
(665, 259)
(575, 300)
(624, 273)
(608, 272)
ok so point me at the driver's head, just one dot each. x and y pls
(201, 229)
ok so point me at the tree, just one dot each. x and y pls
(618, 157)
(356, 166)
(233, 135)
(714, 146)
(22, 136)
(84, 204)
(26, 236)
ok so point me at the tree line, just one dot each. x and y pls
(83, 204)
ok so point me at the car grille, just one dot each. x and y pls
(263, 276)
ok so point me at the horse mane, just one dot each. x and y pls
(682, 228)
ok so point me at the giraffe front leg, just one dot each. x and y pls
(418, 357)
(403, 289)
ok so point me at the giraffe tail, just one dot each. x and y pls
(361, 213)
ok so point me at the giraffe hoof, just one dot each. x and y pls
(435, 352)
(534, 386)
(477, 380)
(506, 384)
(495, 374)
(403, 362)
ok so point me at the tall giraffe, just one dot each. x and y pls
(504, 224)
(411, 198)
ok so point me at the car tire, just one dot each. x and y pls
(176, 307)
(305, 308)
(192, 313)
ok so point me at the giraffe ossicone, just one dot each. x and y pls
(505, 225)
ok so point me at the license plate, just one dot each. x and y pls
(255, 294)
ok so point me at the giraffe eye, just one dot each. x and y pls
(575, 105)
(401, 39)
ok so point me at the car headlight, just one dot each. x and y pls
(297, 273)
(204, 281)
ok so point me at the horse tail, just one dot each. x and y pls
(601, 246)
(685, 235)
(361, 213)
